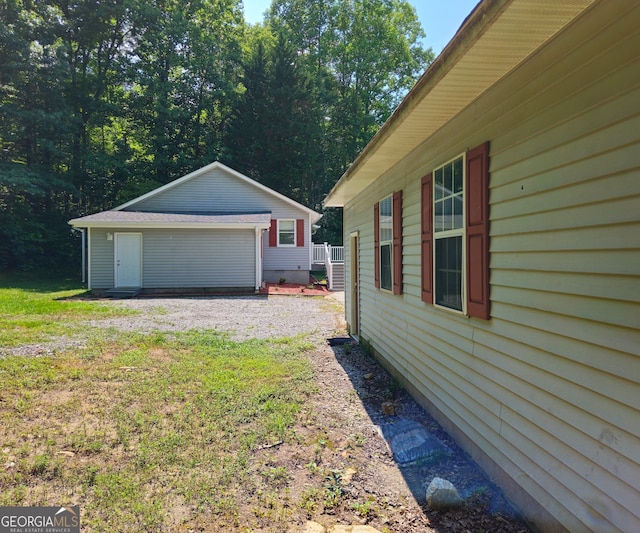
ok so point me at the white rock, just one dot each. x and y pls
(442, 495)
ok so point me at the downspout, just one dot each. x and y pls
(310, 242)
(84, 257)
(258, 258)
(83, 253)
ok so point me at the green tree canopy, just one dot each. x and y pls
(103, 100)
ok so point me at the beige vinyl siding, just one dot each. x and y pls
(198, 258)
(549, 388)
(101, 274)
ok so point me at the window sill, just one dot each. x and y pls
(450, 310)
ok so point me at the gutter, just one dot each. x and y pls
(84, 258)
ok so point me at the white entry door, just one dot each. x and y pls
(128, 259)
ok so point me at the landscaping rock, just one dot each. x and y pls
(389, 408)
(410, 441)
(442, 495)
(313, 527)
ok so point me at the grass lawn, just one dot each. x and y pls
(145, 432)
(34, 311)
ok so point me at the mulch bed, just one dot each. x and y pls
(300, 289)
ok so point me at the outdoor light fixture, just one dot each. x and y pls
(109, 236)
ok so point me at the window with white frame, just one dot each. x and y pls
(386, 243)
(449, 234)
(454, 241)
(286, 232)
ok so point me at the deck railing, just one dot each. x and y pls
(329, 255)
(323, 251)
(318, 253)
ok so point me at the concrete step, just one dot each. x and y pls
(123, 293)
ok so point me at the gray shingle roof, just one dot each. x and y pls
(143, 217)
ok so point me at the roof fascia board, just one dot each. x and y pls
(166, 225)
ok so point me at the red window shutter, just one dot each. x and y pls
(273, 233)
(427, 238)
(300, 232)
(477, 221)
(397, 242)
(376, 244)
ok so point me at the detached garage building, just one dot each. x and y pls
(204, 231)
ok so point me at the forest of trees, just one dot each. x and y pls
(104, 100)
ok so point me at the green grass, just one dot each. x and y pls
(35, 311)
(144, 432)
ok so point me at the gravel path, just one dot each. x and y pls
(242, 317)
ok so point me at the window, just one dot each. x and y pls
(286, 232)
(387, 230)
(455, 234)
(448, 228)
(386, 243)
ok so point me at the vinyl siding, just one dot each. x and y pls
(217, 191)
(182, 258)
(549, 388)
(288, 257)
(101, 272)
(295, 258)
(198, 258)
(214, 191)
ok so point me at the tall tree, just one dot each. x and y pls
(363, 56)
(274, 135)
(247, 136)
(376, 57)
(36, 128)
(184, 73)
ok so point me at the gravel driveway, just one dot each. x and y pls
(242, 317)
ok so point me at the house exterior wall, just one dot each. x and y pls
(173, 258)
(101, 259)
(235, 195)
(546, 394)
(292, 262)
(291, 258)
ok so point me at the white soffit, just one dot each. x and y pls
(494, 40)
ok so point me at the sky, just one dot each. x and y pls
(440, 19)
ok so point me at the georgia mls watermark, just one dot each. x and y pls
(40, 519)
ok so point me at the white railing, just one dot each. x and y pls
(336, 253)
(329, 255)
(318, 253)
(323, 251)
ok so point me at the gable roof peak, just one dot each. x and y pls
(208, 168)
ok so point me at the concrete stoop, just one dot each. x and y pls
(123, 292)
